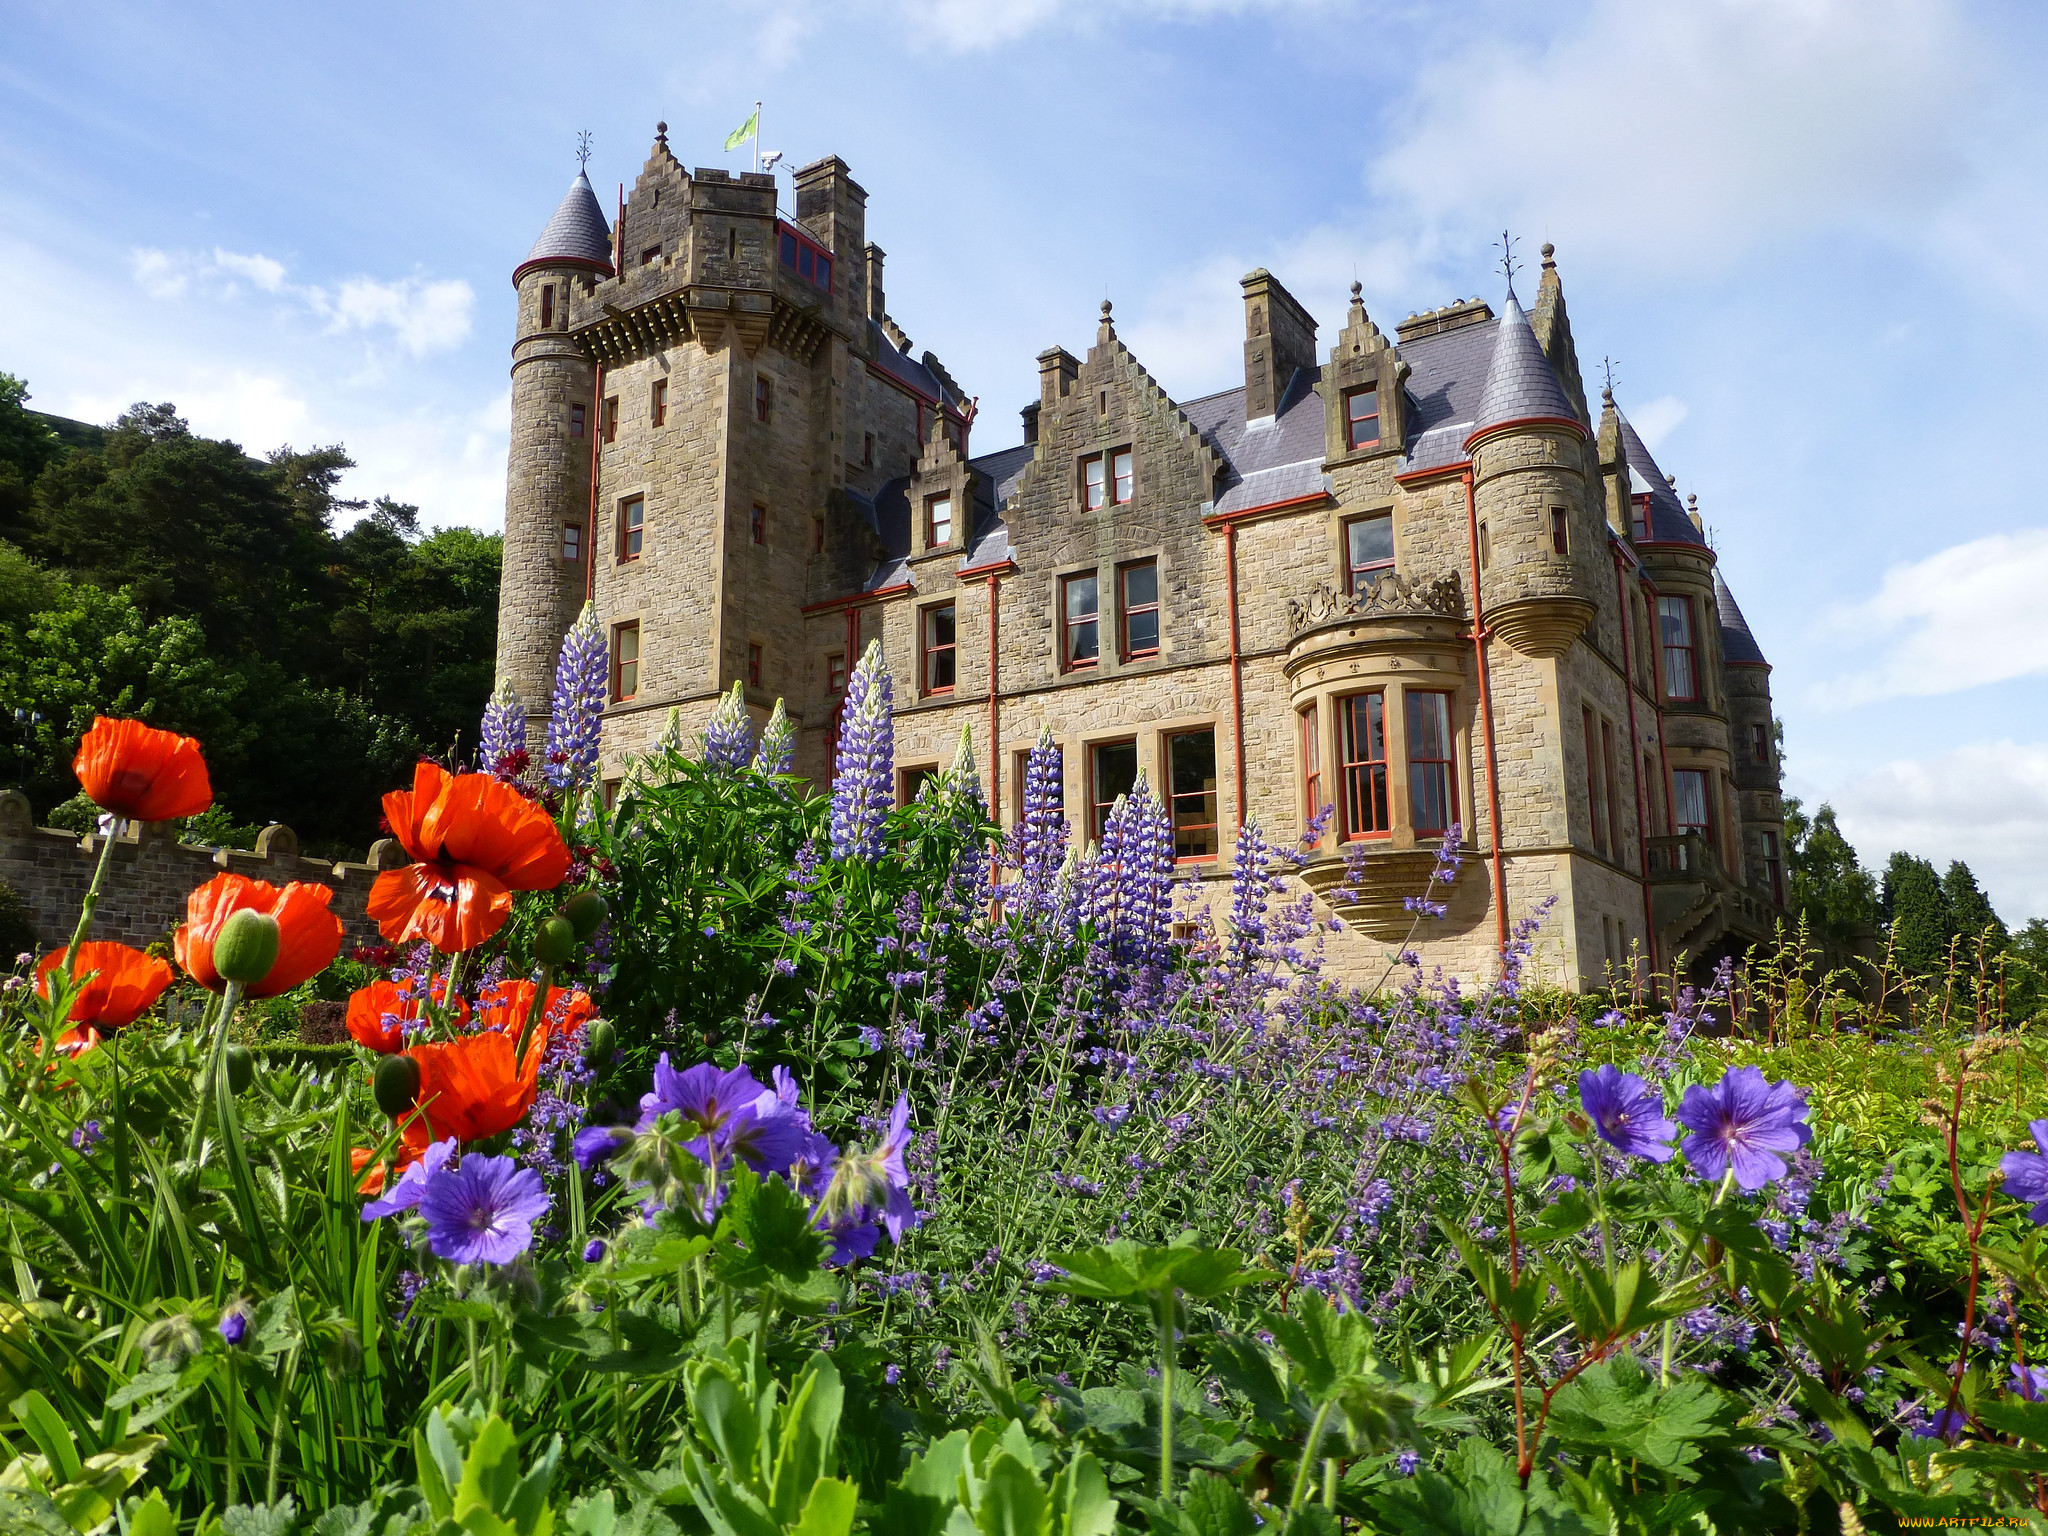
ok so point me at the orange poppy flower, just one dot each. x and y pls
(309, 936)
(506, 1005)
(370, 1007)
(140, 772)
(475, 841)
(124, 982)
(76, 1041)
(471, 1087)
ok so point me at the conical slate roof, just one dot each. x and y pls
(1738, 645)
(1668, 522)
(1520, 383)
(577, 236)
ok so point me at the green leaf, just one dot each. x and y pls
(50, 1434)
(1213, 1506)
(1010, 1500)
(766, 1235)
(279, 1519)
(1477, 1494)
(919, 1501)
(829, 1510)
(809, 1445)
(2016, 1417)
(1618, 1407)
(1129, 1271)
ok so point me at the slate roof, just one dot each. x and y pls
(1520, 383)
(901, 366)
(1668, 522)
(577, 233)
(1447, 376)
(1738, 645)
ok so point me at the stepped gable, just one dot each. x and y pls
(1447, 375)
(1738, 645)
(1668, 522)
(1520, 383)
(577, 236)
(1276, 459)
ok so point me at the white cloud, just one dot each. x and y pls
(976, 26)
(1985, 803)
(158, 273)
(1968, 615)
(1682, 134)
(1657, 419)
(425, 316)
(260, 270)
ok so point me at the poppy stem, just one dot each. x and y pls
(92, 900)
(533, 1015)
(230, 1000)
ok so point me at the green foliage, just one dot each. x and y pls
(17, 925)
(1827, 888)
(1917, 915)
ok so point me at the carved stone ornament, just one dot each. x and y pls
(1392, 596)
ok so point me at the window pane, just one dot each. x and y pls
(938, 644)
(824, 277)
(1092, 478)
(1115, 772)
(1080, 597)
(1689, 800)
(940, 626)
(1144, 632)
(789, 250)
(942, 520)
(1191, 770)
(1122, 468)
(1431, 804)
(1372, 542)
(1365, 765)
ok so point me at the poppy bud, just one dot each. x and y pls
(241, 1069)
(396, 1085)
(556, 941)
(585, 910)
(246, 947)
(599, 1041)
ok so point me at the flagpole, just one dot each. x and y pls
(757, 138)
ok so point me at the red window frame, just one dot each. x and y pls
(1560, 532)
(1094, 483)
(753, 666)
(572, 541)
(657, 405)
(1121, 479)
(547, 306)
(933, 537)
(938, 655)
(650, 256)
(764, 396)
(632, 528)
(625, 668)
(1311, 761)
(1195, 839)
(1073, 623)
(611, 418)
(1101, 803)
(1355, 419)
(1760, 742)
(1357, 573)
(835, 672)
(1681, 655)
(758, 525)
(1639, 519)
(1432, 765)
(1367, 810)
(1128, 610)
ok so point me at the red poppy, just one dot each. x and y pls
(475, 842)
(76, 1041)
(505, 1006)
(472, 1087)
(376, 1013)
(137, 771)
(309, 936)
(124, 982)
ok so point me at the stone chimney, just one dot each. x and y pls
(831, 205)
(1030, 414)
(1279, 338)
(1057, 370)
(878, 307)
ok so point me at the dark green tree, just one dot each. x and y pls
(1836, 895)
(1916, 915)
(1969, 910)
(2026, 972)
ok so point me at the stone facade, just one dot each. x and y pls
(151, 874)
(1251, 599)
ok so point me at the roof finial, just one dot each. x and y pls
(583, 152)
(1549, 254)
(1607, 394)
(661, 134)
(1105, 309)
(1507, 257)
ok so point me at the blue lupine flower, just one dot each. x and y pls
(1626, 1113)
(729, 737)
(504, 728)
(1745, 1123)
(482, 1210)
(1038, 842)
(582, 681)
(776, 751)
(864, 770)
(2026, 1173)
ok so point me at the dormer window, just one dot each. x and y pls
(1106, 479)
(1639, 519)
(1362, 417)
(938, 521)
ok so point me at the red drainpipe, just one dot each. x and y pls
(995, 761)
(1480, 634)
(1635, 768)
(595, 423)
(1236, 678)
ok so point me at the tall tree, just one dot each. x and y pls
(1970, 912)
(1917, 914)
(1834, 893)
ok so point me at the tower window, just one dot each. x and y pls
(817, 535)
(547, 306)
(753, 666)
(938, 649)
(1760, 743)
(763, 394)
(1191, 788)
(1138, 596)
(1432, 799)
(1362, 417)
(1080, 625)
(1596, 787)
(1774, 868)
(1639, 518)
(732, 245)
(1364, 743)
(1674, 624)
(1311, 761)
(1485, 549)
(625, 662)
(759, 524)
(650, 256)
(1689, 802)
(576, 420)
(611, 419)
(1560, 532)
(938, 521)
(1368, 550)
(657, 403)
(572, 541)
(632, 527)
(867, 450)
(1112, 773)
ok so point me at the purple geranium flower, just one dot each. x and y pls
(736, 1114)
(872, 1186)
(2030, 1381)
(482, 1211)
(1627, 1113)
(1744, 1123)
(405, 1194)
(595, 1144)
(2026, 1173)
(234, 1326)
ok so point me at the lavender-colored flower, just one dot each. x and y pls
(593, 1250)
(1626, 1113)
(729, 737)
(1408, 1463)
(412, 1184)
(504, 728)
(864, 770)
(892, 1374)
(873, 1185)
(735, 1114)
(2030, 1381)
(87, 1136)
(482, 1210)
(1038, 842)
(1744, 1123)
(234, 1325)
(582, 679)
(596, 1144)
(2026, 1173)
(776, 751)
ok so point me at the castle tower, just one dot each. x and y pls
(1537, 537)
(554, 422)
(1753, 749)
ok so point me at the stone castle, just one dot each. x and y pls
(1412, 578)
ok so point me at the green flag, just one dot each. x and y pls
(744, 132)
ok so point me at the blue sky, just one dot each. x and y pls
(1810, 233)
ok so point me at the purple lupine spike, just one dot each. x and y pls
(775, 753)
(865, 768)
(970, 813)
(729, 737)
(503, 731)
(1249, 887)
(1149, 879)
(1038, 842)
(581, 682)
